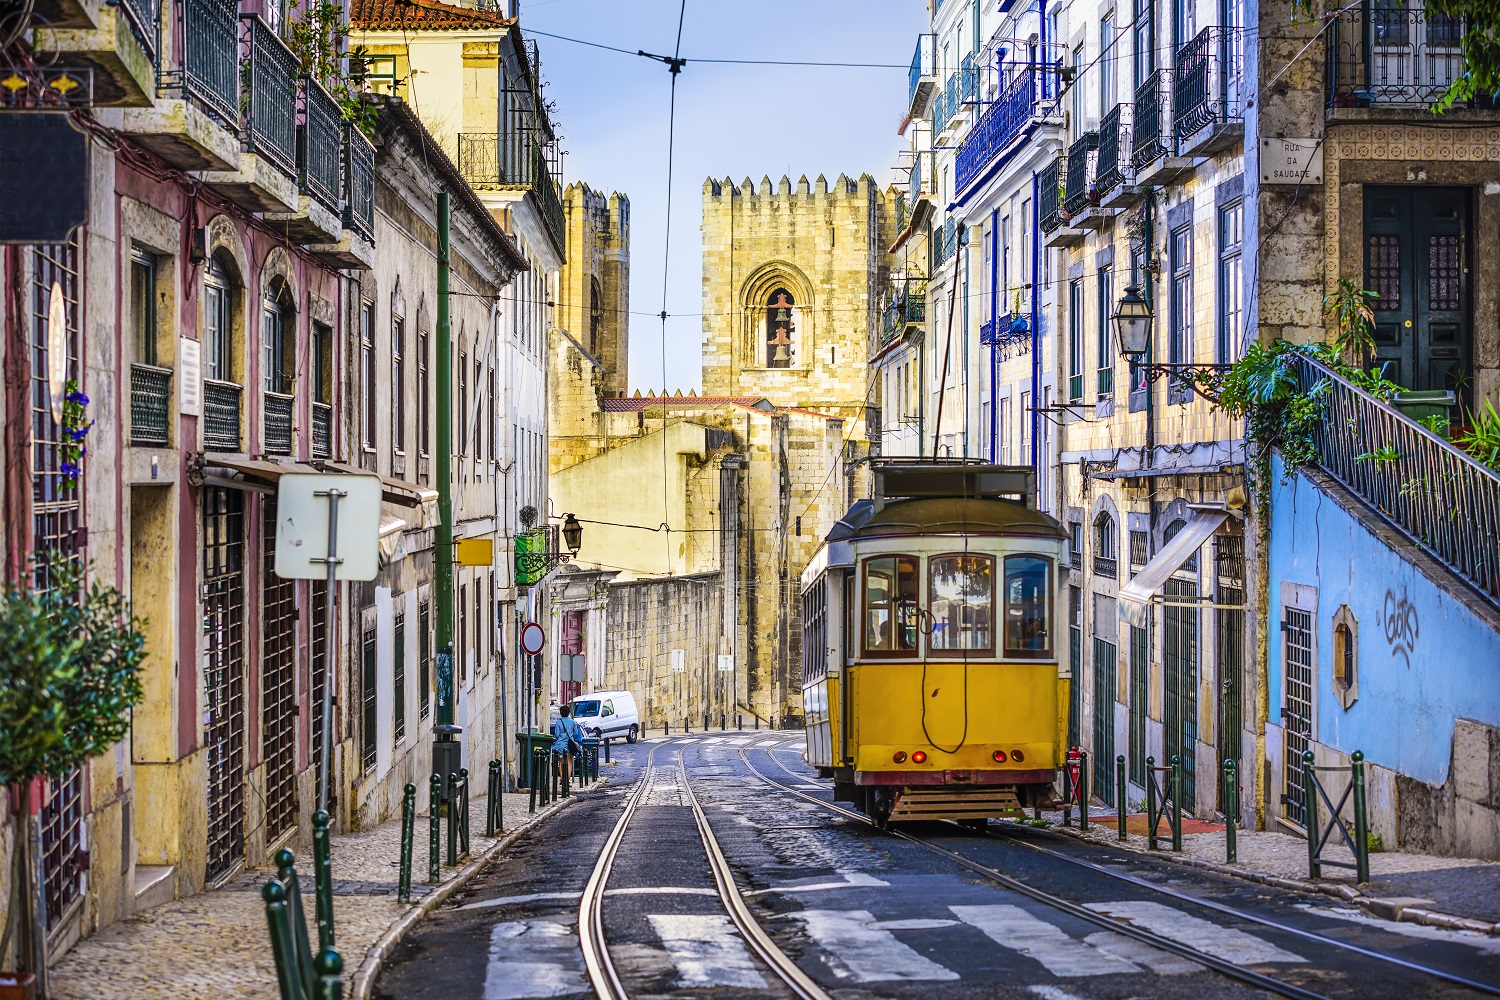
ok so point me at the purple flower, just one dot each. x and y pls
(78, 398)
(68, 469)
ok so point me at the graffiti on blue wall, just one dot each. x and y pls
(1402, 625)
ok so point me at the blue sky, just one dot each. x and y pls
(734, 121)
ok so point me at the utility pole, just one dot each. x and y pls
(447, 751)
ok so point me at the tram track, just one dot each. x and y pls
(1230, 969)
(602, 972)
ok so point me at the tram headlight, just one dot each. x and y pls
(899, 756)
(999, 756)
(1017, 756)
(919, 757)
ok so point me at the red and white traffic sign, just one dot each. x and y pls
(533, 638)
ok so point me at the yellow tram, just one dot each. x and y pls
(935, 677)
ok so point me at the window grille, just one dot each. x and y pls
(278, 683)
(369, 749)
(398, 679)
(1296, 713)
(224, 675)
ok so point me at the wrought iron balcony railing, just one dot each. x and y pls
(1151, 134)
(1083, 155)
(923, 73)
(322, 430)
(495, 160)
(150, 405)
(1208, 85)
(1107, 567)
(1049, 196)
(269, 101)
(144, 19)
(276, 422)
(537, 553)
(1000, 124)
(320, 136)
(1440, 497)
(923, 182)
(944, 243)
(359, 183)
(221, 416)
(907, 307)
(1392, 56)
(208, 70)
(1114, 150)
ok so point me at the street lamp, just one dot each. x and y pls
(1133, 322)
(572, 533)
(539, 564)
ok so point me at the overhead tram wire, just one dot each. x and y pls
(677, 60)
(674, 65)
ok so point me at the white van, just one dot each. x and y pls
(608, 713)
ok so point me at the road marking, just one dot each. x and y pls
(707, 951)
(1163, 963)
(916, 924)
(1474, 939)
(1225, 943)
(662, 890)
(1052, 993)
(485, 904)
(533, 958)
(1030, 935)
(856, 949)
(851, 879)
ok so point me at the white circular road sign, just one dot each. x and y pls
(533, 638)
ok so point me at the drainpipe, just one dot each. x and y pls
(966, 242)
(994, 298)
(1036, 307)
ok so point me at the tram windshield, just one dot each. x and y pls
(1028, 606)
(961, 591)
(891, 584)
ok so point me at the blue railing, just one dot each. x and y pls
(922, 65)
(999, 126)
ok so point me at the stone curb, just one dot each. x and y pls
(1374, 905)
(363, 979)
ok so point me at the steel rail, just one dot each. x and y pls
(799, 982)
(1072, 909)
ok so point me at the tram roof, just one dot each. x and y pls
(942, 516)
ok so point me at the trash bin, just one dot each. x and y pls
(1425, 403)
(526, 744)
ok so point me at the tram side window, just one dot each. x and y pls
(891, 584)
(1028, 606)
(961, 597)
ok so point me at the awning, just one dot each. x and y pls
(392, 539)
(1225, 469)
(1145, 585)
(250, 474)
(393, 491)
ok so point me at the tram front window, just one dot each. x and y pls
(1028, 606)
(961, 592)
(891, 585)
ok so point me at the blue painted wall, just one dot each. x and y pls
(1421, 664)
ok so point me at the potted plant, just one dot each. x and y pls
(69, 674)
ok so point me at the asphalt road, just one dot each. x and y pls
(868, 914)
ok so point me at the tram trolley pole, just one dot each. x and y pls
(1120, 792)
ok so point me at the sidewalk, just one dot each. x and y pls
(215, 946)
(1458, 893)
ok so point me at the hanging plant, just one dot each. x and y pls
(75, 428)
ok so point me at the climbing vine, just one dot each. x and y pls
(317, 37)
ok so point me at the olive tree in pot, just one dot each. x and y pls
(70, 665)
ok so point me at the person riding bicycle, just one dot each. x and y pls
(567, 739)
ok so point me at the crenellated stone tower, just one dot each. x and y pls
(594, 298)
(791, 277)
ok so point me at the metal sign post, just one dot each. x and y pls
(331, 561)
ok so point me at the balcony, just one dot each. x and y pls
(320, 148)
(116, 43)
(1050, 209)
(1393, 57)
(1009, 334)
(322, 430)
(923, 77)
(276, 422)
(1079, 192)
(265, 180)
(497, 161)
(944, 243)
(194, 123)
(996, 129)
(150, 406)
(221, 416)
(1153, 149)
(356, 248)
(1208, 92)
(1115, 176)
(1441, 498)
(906, 310)
(1107, 567)
(537, 552)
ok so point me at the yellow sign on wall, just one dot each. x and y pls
(474, 551)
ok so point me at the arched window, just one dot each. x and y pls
(219, 291)
(278, 335)
(1106, 546)
(596, 315)
(781, 329)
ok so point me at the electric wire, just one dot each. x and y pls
(677, 59)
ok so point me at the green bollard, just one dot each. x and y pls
(565, 765)
(1176, 803)
(723, 719)
(286, 874)
(434, 830)
(330, 969)
(463, 828)
(1151, 816)
(282, 947)
(1310, 808)
(323, 879)
(1083, 790)
(1231, 810)
(452, 820)
(531, 780)
(492, 799)
(1120, 795)
(1361, 819)
(408, 828)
